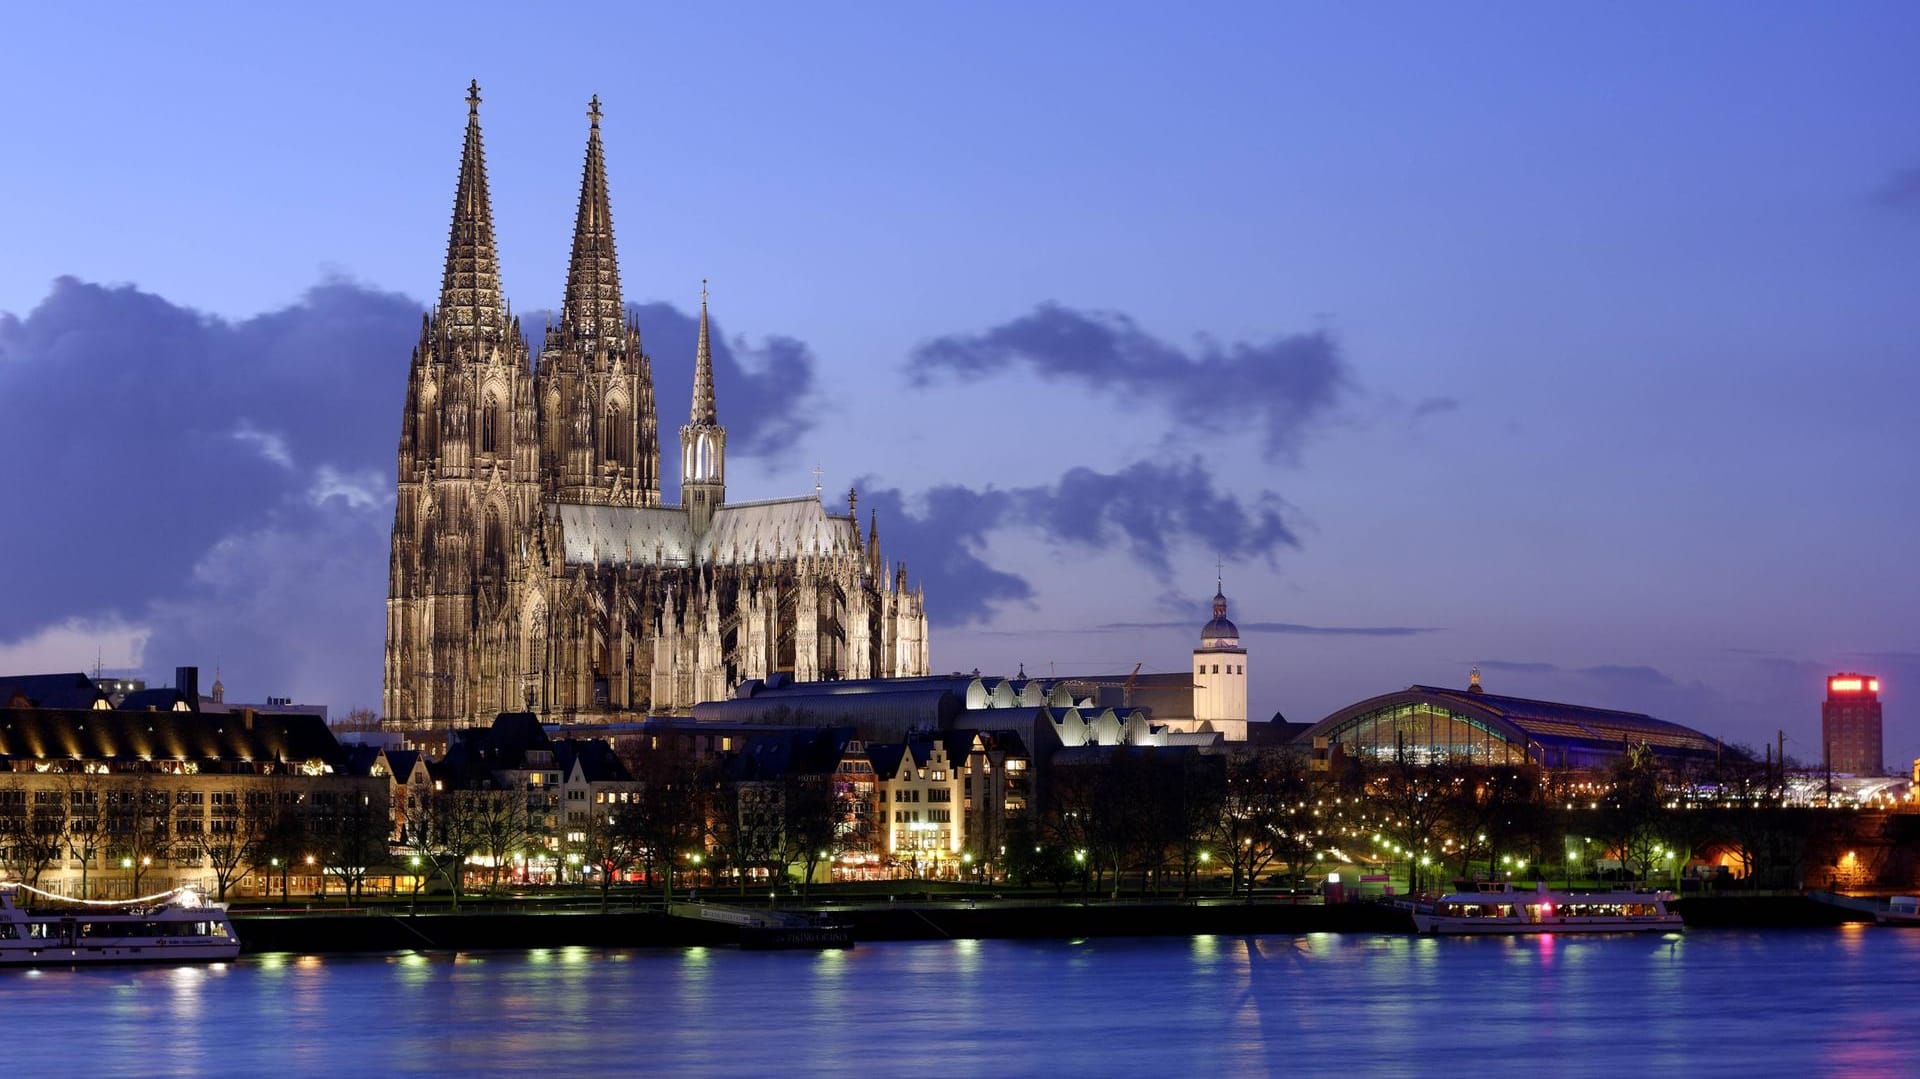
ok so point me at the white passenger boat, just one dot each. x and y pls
(173, 927)
(1545, 911)
(1903, 910)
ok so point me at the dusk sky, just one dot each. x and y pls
(1581, 343)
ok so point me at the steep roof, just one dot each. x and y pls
(740, 533)
(73, 690)
(94, 735)
(597, 761)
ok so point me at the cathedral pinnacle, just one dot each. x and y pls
(593, 308)
(470, 288)
(704, 413)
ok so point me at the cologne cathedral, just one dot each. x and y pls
(534, 565)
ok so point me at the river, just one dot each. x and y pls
(1829, 1002)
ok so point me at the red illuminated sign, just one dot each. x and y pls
(1844, 685)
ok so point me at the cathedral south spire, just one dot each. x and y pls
(593, 308)
(703, 442)
(599, 437)
(470, 289)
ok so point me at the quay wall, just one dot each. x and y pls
(377, 931)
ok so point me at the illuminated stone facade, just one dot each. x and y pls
(533, 563)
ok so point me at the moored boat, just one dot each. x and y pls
(172, 927)
(1903, 910)
(1509, 912)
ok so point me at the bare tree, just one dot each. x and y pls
(230, 842)
(505, 827)
(814, 816)
(612, 842)
(351, 833)
(32, 829)
(1263, 813)
(444, 832)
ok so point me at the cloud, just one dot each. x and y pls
(1434, 406)
(1281, 387)
(143, 432)
(1292, 628)
(764, 391)
(1516, 666)
(362, 489)
(77, 644)
(205, 490)
(1900, 191)
(1146, 508)
(269, 444)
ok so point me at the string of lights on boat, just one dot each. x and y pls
(186, 897)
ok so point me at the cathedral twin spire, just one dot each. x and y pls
(470, 289)
(593, 309)
(595, 385)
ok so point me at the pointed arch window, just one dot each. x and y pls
(427, 435)
(493, 545)
(618, 450)
(492, 424)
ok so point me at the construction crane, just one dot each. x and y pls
(1126, 687)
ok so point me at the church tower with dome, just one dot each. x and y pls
(1220, 674)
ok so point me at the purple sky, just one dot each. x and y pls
(1578, 344)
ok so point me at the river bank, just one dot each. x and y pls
(323, 931)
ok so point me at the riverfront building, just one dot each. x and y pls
(114, 803)
(1850, 725)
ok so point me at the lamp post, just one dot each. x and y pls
(1572, 850)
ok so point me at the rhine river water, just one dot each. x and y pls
(1830, 1002)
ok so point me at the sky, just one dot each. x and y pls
(1577, 342)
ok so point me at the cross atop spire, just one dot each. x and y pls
(704, 413)
(593, 307)
(470, 288)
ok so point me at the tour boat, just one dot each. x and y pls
(1903, 910)
(172, 927)
(1543, 911)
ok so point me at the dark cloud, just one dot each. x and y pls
(1434, 406)
(1280, 387)
(765, 391)
(1901, 191)
(1286, 628)
(1516, 666)
(943, 546)
(1145, 508)
(142, 432)
(226, 485)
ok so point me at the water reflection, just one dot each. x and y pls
(1705, 1002)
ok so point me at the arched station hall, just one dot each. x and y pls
(1434, 725)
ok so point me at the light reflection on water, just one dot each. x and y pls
(1824, 1003)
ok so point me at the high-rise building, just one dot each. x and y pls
(534, 562)
(1850, 724)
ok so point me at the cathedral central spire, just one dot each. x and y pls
(593, 308)
(704, 412)
(470, 288)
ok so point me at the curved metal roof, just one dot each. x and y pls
(1523, 720)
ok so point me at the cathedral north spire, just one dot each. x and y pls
(470, 288)
(593, 308)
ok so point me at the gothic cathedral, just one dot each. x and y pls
(533, 565)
